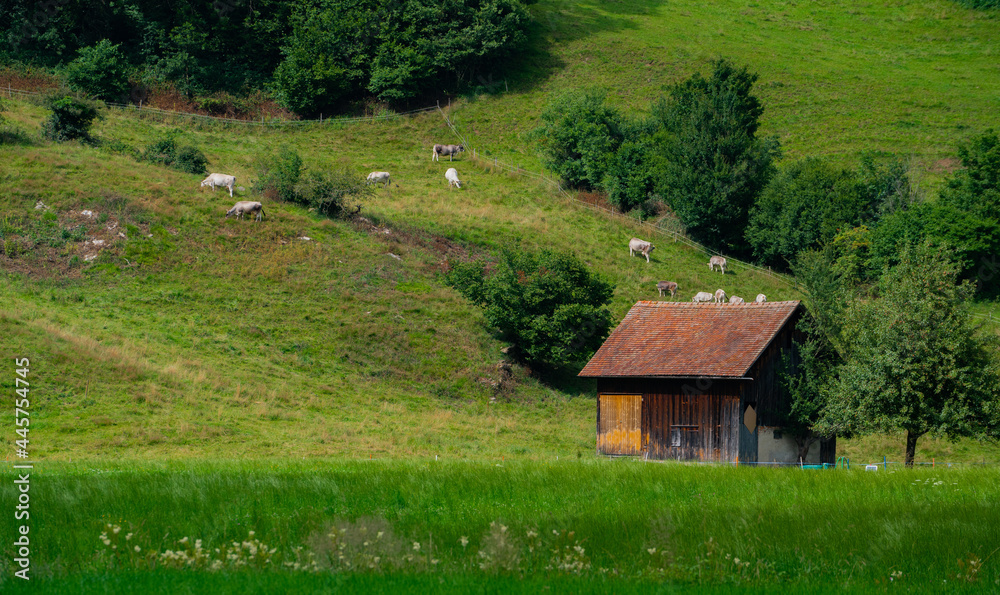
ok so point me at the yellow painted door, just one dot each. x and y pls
(620, 431)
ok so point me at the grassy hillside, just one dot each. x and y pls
(189, 335)
(836, 77)
(196, 335)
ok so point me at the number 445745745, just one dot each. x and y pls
(21, 403)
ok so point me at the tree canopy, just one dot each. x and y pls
(711, 165)
(913, 359)
(546, 304)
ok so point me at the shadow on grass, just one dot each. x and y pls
(556, 22)
(564, 379)
(10, 135)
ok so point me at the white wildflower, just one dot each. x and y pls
(464, 540)
(416, 546)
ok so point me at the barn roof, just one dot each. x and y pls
(681, 339)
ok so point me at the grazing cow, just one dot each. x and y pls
(220, 180)
(717, 261)
(670, 286)
(761, 298)
(720, 296)
(449, 150)
(702, 296)
(246, 206)
(379, 177)
(452, 176)
(641, 246)
(736, 300)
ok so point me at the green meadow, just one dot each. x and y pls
(197, 377)
(619, 525)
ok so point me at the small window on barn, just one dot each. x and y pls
(675, 437)
(777, 434)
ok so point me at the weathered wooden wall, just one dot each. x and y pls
(619, 424)
(703, 412)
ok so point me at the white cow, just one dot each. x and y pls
(702, 296)
(720, 296)
(221, 181)
(736, 300)
(452, 176)
(641, 246)
(663, 286)
(246, 206)
(717, 261)
(379, 177)
(449, 150)
(761, 298)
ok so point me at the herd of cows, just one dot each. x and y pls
(256, 209)
(635, 245)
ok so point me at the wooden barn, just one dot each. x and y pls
(698, 382)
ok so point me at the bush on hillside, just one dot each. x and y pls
(329, 192)
(580, 135)
(628, 178)
(548, 305)
(976, 188)
(711, 165)
(974, 240)
(99, 70)
(71, 119)
(278, 174)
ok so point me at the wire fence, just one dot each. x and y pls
(140, 110)
(607, 211)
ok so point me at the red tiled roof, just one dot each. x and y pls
(684, 339)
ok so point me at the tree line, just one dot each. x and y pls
(311, 55)
(698, 154)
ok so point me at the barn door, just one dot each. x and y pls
(619, 429)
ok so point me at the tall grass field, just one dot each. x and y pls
(304, 405)
(622, 526)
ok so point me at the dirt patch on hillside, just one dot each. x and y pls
(63, 244)
(442, 247)
(945, 166)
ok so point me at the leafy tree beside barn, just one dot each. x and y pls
(913, 359)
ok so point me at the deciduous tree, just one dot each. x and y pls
(914, 360)
(546, 304)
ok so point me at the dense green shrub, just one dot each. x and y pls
(710, 164)
(548, 305)
(803, 205)
(100, 71)
(281, 176)
(976, 188)
(328, 192)
(71, 119)
(182, 158)
(628, 179)
(974, 240)
(278, 174)
(579, 136)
